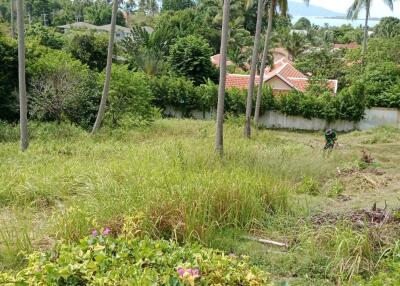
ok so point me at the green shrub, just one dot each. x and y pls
(308, 186)
(62, 87)
(45, 36)
(177, 92)
(207, 95)
(103, 260)
(181, 94)
(336, 189)
(8, 79)
(190, 57)
(377, 85)
(351, 104)
(235, 101)
(348, 105)
(130, 98)
(89, 48)
(388, 98)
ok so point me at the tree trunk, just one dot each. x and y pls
(254, 60)
(219, 140)
(365, 38)
(12, 20)
(263, 62)
(23, 102)
(106, 88)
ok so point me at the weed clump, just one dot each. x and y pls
(103, 260)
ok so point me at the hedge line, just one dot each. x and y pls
(184, 96)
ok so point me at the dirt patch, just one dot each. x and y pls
(358, 180)
(359, 218)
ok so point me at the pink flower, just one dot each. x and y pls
(94, 232)
(106, 231)
(181, 271)
(194, 273)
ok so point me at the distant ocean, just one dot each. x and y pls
(321, 21)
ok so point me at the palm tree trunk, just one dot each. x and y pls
(365, 38)
(106, 88)
(23, 102)
(254, 60)
(219, 140)
(12, 20)
(263, 62)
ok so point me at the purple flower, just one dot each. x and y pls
(94, 232)
(195, 273)
(106, 231)
(181, 271)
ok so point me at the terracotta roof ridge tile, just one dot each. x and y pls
(297, 78)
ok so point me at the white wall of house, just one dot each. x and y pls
(380, 116)
(374, 117)
(274, 119)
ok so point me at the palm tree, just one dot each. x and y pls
(146, 49)
(219, 140)
(106, 88)
(254, 59)
(295, 44)
(23, 105)
(283, 7)
(271, 12)
(353, 12)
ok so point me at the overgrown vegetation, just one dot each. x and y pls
(164, 181)
(101, 259)
(157, 187)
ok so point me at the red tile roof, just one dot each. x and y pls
(239, 80)
(293, 77)
(282, 69)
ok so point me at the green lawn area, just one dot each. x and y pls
(165, 181)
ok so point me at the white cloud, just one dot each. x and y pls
(379, 9)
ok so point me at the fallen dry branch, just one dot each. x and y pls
(266, 241)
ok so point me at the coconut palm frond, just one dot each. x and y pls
(389, 3)
(355, 8)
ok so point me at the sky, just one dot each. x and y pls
(379, 9)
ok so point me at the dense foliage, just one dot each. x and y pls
(130, 98)
(102, 260)
(388, 27)
(45, 36)
(190, 57)
(62, 87)
(89, 48)
(347, 106)
(146, 51)
(99, 13)
(8, 79)
(175, 56)
(323, 63)
(379, 76)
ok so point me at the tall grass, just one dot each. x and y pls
(15, 239)
(167, 172)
